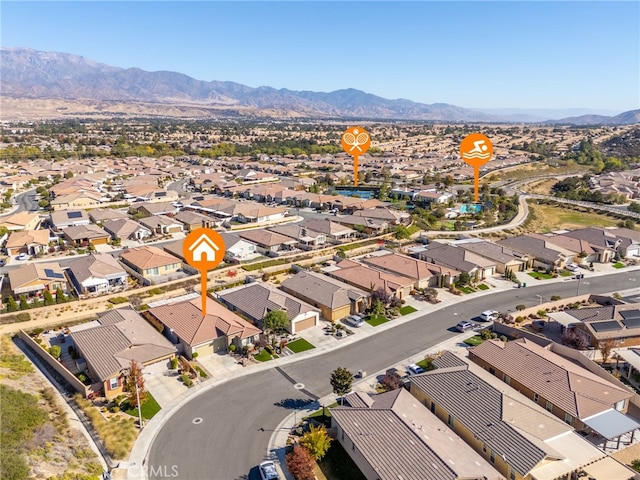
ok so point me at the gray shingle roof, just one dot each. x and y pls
(478, 406)
(122, 336)
(257, 299)
(99, 265)
(324, 290)
(401, 439)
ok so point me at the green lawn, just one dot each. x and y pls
(475, 340)
(407, 309)
(264, 356)
(618, 265)
(324, 417)
(299, 345)
(427, 364)
(466, 289)
(375, 320)
(565, 273)
(149, 408)
(540, 275)
(337, 464)
(482, 286)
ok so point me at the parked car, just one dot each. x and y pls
(489, 316)
(268, 471)
(415, 369)
(22, 256)
(572, 267)
(464, 326)
(353, 320)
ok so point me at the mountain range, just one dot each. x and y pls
(45, 84)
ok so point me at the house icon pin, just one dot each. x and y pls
(203, 247)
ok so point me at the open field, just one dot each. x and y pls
(541, 187)
(549, 218)
(522, 172)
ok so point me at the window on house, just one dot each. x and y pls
(450, 421)
(113, 383)
(620, 405)
(568, 418)
(549, 406)
(535, 397)
(153, 271)
(484, 448)
(492, 370)
(433, 407)
(507, 379)
(492, 457)
(512, 474)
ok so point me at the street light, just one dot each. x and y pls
(540, 297)
(138, 398)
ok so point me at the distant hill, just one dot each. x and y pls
(74, 82)
(625, 118)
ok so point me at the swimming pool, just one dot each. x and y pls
(469, 208)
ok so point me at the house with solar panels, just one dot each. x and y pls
(68, 218)
(33, 279)
(620, 323)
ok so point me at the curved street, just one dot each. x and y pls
(223, 433)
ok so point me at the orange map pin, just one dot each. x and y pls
(476, 150)
(355, 141)
(203, 249)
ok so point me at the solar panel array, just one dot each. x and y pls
(51, 274)
(608, 326)
(74, 214)
(631, 318)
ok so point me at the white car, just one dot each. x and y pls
(268, 471)
(22, 256)
(414, 369)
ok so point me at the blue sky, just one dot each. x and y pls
(473, 54)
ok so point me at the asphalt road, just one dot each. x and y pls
(228, 443)
(27, 201)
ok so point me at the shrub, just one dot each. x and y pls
(118, 300)
(194, 355)
(201, 372)
(555, 298)
(485, 334)
(300, 463)
(519, 319)
(36, 331)
(186, 380)
(503, 338)
(55, 351)
(520, 307)
(155, 291)
(174, 363)
(232, 348)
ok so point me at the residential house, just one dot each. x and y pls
(33, 279)
(77, 200)
(424, 274)
(519, 438)
(364, 224)
(150, 262)
(238, 249)
(370, 279)
(162, 225)
(392, 436)
(503, 257)
(126, 229)
(269, 243)
(83, 235)
(149, 209)
(185, 325)
(568, 391)
(333, 231)
(335, 299)
(629, 245)
(194, 220)
(392, 217)
(255, 300)
(96, 274)
(31, 242)
(99, 215)
(256, 213)
(306, 239)
(540, 250)
(68, 218)
(118, 337)
(476, 266)
(430, 197)
(20, 221)
(617, 323)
